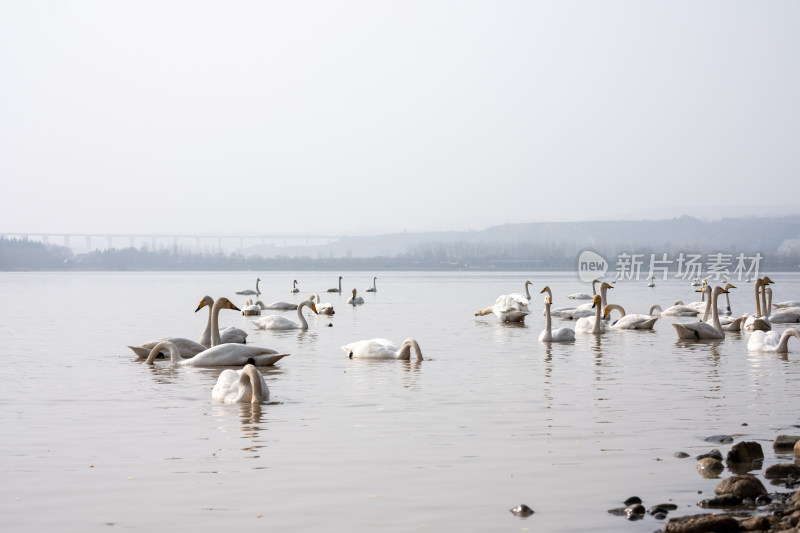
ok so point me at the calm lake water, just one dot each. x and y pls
(490, 419)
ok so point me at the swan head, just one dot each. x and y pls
(224, 303)
(704, 288)
(548, 291)
(606, 285)
(767, 281)
(597, 300)
(308, 303)
(730, 286)
(206, 301)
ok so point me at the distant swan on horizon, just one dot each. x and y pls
(355, 300)
(339, 289)
(374, 287)
(251, 291)
(294, 287)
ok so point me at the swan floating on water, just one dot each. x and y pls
(583, 295)
(506, 309)
(632, 321)
(339, 289)
(762, 341)
(251, 309)
(523, 299)
(759, 321)
(283, 323)
(189, 348)
(294, 287)
(374, 287)
(382, 349)
(355, 300)
(240, 386)
(278, 306)
(251, 291)
(652, 282)
(322, 308)
(702, 330)
(553, 335)
(220, 355)
(593, 325)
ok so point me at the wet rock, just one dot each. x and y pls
(744, 486)
(619, 511)
(714, 454)
(632, 500)
(709, 467)
(521, 511)
(635, 511)
(757, 523)
(681, 455)
(763, 500)
(702, 523)
(782, 471)
(785, 443)
(745, 452)
(723, 501)
(719, 439)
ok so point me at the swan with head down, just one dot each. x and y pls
(220, 355)
(583, 295)
(276, 322)
(506, 309)
(240, 386)
(383, 349)
(762, 341)
(325, 308)
(632, 321)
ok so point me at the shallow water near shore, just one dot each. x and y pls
(489, 420)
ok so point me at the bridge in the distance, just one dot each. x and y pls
(85, 242)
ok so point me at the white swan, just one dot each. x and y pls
(506, 309)
(229, 334)
(294, 287)
(724, 320)
(554, 335)
(322, 308)
(782, 315)
(281, 322)
(604, 286)
(652, 282)
(632, 321)
(277, 306)
(188, 348)
(251, 309)
(382, 349)
(374, 287)
(240, 386)
(761, 341)
(787, 304)
(759, 321)
(355, 300)
(679, 309)
(593, 324)
(251, 291)
(703, 330)
(583, 295)
(220, 355)
(339, 289)
(524, 299)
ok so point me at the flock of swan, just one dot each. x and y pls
(228, 348)
(595, 318)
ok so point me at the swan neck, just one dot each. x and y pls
(757, 286)
(205, 339)
(214, 318)
(597, 317)
(250, 381)
(548, 322)
(303, 321)
(708, 307)
(174, 355)
(715, 312)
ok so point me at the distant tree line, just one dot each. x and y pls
(514, 253)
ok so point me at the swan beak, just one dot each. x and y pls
(232, 306)
(314, 308)
(541, 291)
(199, 307)
(732, 287)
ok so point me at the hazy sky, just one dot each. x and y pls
(340, 117)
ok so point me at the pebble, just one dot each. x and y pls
(719, 439)
(521, 511)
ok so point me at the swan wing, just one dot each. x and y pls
(635, 321)
(697, 331)
(233, 334)
(186, 347)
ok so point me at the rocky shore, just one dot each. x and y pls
(741, 502)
